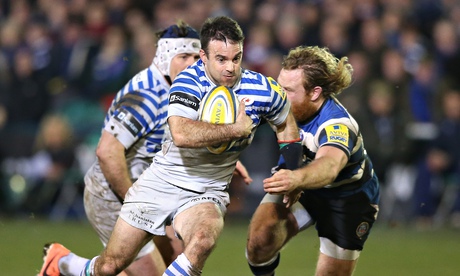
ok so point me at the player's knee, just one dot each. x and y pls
(205, 240)
(261, 247)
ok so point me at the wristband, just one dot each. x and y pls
(292, 154)
(283, 143)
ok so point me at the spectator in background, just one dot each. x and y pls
(310, 15)
(392, 20)
(334, 35)
(355, 98)
(393, 73)
(383, 124)
(110, 68)
(25, 101)
(72, 54)
(441, 180)
(10, 37)
(446, 50)
(96, 19)
(288, 33)
(48, 167)
(38, 40)
(371, 42)
(422, 130)
(258, 46)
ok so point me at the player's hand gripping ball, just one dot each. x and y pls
(219, 106)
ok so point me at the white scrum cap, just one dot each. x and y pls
(174, 41)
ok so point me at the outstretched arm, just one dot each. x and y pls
(329, 161)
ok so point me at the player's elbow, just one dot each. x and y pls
(180, 139)
(179, 135)
(102, 152)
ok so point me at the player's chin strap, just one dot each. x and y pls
(291, 150)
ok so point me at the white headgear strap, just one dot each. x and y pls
(168, 48)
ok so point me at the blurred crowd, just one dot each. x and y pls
(62, 61)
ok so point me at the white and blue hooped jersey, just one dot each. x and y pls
(196, 168)
(137, 118)
(334, 126)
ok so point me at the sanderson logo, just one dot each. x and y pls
(176, 98)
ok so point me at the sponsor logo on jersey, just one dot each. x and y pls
(337, 134)
(184, 99)
(128, 121)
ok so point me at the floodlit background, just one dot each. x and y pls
(62, 61)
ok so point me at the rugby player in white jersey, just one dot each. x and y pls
(132, 133)
(186, 185)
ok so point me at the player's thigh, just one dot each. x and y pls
(201, 219)
(345, 221)
(200, 214)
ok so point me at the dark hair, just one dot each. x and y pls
(221, 28)
(181, 29)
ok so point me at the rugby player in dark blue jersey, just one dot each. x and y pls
(339, 190)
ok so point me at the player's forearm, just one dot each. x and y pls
(288, 131)
(115, 171)
(196, 134)
(319, 173)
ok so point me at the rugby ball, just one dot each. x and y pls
(219, 106)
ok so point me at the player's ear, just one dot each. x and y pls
(203, 56)
(316, 92)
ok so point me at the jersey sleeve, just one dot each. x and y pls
(339, 136)
(280, 106)
(184, 97)
(134, 116)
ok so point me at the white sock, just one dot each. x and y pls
(71, 265)
(181, 267)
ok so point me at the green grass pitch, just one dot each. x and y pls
(389, 251)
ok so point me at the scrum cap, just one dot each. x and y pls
(174, 42)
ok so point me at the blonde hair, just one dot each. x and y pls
(320, 68)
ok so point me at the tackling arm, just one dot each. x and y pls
(329, 161)
(323, 170)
